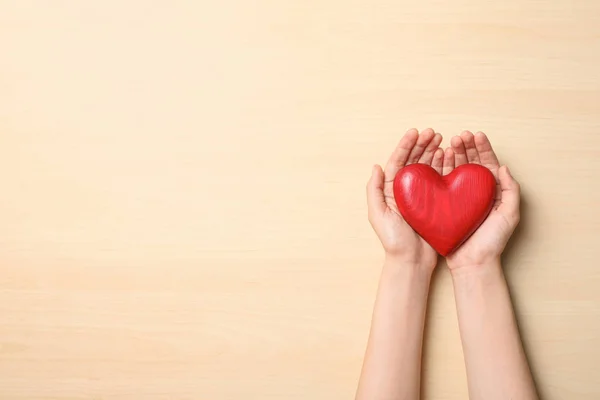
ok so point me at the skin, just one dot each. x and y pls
(392, 364)
(496, 364)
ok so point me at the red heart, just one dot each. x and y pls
(444, 210)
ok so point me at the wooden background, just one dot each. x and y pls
(182, 213)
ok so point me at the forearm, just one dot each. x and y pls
(392, 364)
(496, 364)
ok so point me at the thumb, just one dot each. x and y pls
(375, 198)
(511, 195)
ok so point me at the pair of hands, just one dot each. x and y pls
(400, 242)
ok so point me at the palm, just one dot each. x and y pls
(398, 233)
(397, 237)
(483, 243)
(491, 237)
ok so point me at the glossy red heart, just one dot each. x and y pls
(444, 210)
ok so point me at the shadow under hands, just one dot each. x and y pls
(511, 257)
(516, 243)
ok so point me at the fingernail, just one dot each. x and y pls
(508, 171)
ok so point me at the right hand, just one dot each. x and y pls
(485, 246)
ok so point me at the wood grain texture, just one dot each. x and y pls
(444, 210)
(183, 212)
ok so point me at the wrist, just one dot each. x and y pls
(394, 265)
(478, 271)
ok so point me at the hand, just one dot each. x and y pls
(487, 243)
(399, 240)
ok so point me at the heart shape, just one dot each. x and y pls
(444, 210)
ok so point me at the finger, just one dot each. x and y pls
(430, 150)
(459, 151)
(400, 155)
(511, 195)
(438, 160)
(424, 139)
(449, 160)
(469, 141)
(375, 198)
(487, 155)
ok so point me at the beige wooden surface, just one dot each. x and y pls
(182, 212)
